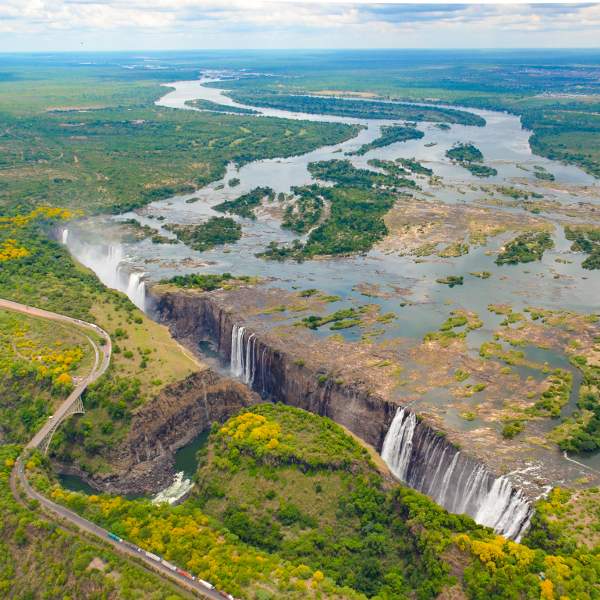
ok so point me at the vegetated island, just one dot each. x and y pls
(245, 204)
(214, 232)
(470, 157)
(585, 238)
(358, 202)
(390, 135)
(209, 106)
(207, 282)
(306, 209)
(527, 247)
(362, 109)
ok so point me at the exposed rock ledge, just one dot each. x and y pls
(143, 463)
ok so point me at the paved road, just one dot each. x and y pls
(101, 362)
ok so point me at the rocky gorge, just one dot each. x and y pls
(428, 459)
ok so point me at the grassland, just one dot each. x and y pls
(38, 363)
(145, 356)
(40, 560)
(103, 146)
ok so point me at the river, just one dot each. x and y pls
(549, 283)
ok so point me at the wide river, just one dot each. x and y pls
(548, 283)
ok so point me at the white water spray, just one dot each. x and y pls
(65, 236)
(243, 354)
(179, 488)
(109, 264)
(423, 460)
(397, 446)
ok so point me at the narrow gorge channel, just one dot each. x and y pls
(416, 454)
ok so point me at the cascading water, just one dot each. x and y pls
(136, 289)
(425, 461)
(237, 350)
(397, 446)
(108, 262)
(243, 354)
(180, 486)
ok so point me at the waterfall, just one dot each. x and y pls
(237, 350)
(109, 264)
(65, 236)
(136, 289)
(424, 460)
(397, 446)
(180, 486)
(243, 354)
(249, 360)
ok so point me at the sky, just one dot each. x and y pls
(76, 25)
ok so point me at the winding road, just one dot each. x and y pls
(62, 514)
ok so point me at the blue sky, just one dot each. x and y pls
(56, 25)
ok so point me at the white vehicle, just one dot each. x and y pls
(210, 586)
(169, 565)
(152, 556)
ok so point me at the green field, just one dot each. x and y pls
(99, 144)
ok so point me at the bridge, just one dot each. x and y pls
(41, 440)
(72, 404)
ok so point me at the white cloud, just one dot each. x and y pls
(366, 22)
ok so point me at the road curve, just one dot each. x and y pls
(101, 363)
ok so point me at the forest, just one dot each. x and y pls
(216, 231)
(364, 109)
(391, 135)
(301, 506)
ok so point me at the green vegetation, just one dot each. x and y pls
(207, 105)
(234, 182)
(527, 247)
(452, 329)
(98, 143)
(297, 485)
(414, 166)
(38, 360)
(342, 172)
(245, 204)
(136, 231)
(214, 232)
(565, 520)
(307, 208)
(357, 207)
(341, 319)
(208, 282)
(44, 275)
(512, 428)
(465, 153)
(391, 135)
(362, 109)
(542, 173)
(581, 432)
(585, 238)
(481, 274)
(556, 395)
(469, 157)
(451, 280)
(40, 560)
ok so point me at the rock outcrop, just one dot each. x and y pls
(143, 462)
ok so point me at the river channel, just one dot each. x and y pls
(549, 283)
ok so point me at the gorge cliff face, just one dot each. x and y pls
(143, 462)
(281, 368)
(278, 374)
